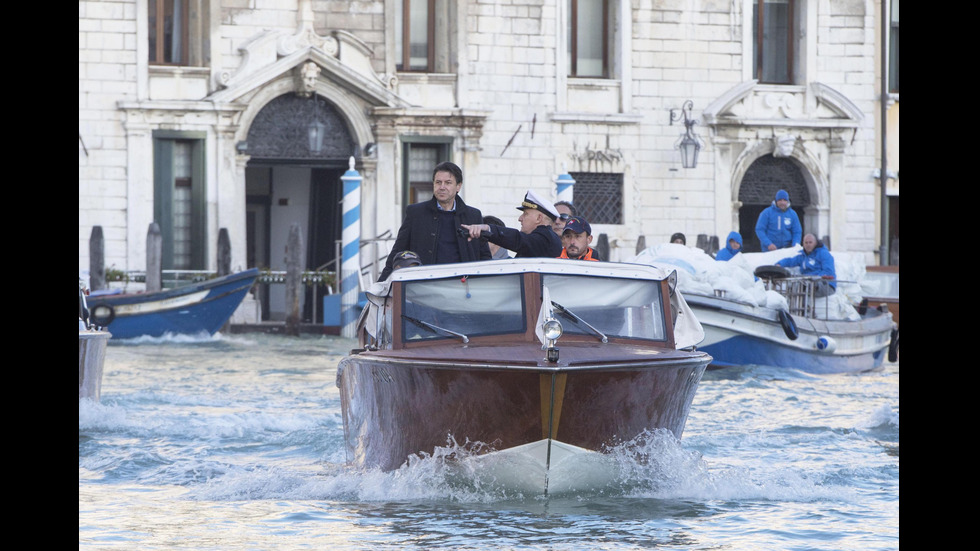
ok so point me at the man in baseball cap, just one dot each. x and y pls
(576, 238)
(535, 238)
(405, 259)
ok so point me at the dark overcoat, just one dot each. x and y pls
(420, 233)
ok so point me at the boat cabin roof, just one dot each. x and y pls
(524, 265)
(426, 305)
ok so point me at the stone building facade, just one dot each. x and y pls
(207, 127)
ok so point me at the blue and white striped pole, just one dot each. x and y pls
(351, 265)
(564, 183)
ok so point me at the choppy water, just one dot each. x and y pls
(235, 443)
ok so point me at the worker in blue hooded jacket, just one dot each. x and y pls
(778, 226)
(815, 260)
(733, 246)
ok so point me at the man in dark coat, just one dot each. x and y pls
(430, 227)
(536, 238)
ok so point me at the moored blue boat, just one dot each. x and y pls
(188, 310)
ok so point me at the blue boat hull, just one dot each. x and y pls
(189, 310)
(743, 350)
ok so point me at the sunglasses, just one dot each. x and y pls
(563, 217)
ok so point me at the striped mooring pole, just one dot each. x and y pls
(564, 183)
(351, 264)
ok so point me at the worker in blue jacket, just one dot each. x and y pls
(733, 246)
(815, 260)
(778, 226)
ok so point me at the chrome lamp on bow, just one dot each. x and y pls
(689, 143)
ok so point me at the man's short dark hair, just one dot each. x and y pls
(451, 168)
(570, 206)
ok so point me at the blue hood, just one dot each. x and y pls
(736, 236)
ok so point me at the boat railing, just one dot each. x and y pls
(799, 292)
(179, 278)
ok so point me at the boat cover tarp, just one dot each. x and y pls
(701, 274)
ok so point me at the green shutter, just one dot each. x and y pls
(163, 192)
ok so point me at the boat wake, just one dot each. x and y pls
(655, 466)
(652, 464)
(202, 336)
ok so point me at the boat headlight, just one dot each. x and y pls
(552, 329)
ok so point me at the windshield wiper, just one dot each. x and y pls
(568, 313)
(434, 328)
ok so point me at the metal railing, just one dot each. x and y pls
(323, 276)
(799, 292)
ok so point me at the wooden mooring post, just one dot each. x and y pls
(154, 258)
(602, 247)
(224, 252)
(294, 277)
(96, 259)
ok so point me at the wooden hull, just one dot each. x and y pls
(398, 405)
(91, 358)
(888, 277)
(189, 310)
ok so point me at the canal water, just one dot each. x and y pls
(234, 442)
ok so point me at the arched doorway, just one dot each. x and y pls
(287, 181)
(766, 176)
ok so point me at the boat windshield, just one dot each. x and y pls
(472, 306)
(616, 307)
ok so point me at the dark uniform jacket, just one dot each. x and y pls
(420, 233)
(543, 241)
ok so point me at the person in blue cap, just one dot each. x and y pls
(778, 226)
(576, 238)
(815, 260)
(535, 238)
(733, 246)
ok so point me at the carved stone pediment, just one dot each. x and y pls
(342, 58)
(752, 104)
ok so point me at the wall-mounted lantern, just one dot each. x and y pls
(689, 143)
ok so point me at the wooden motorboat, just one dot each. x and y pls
(544, 363)
(887, 293)
(198, 308)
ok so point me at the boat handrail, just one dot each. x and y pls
(799, 292)
(172, 277)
